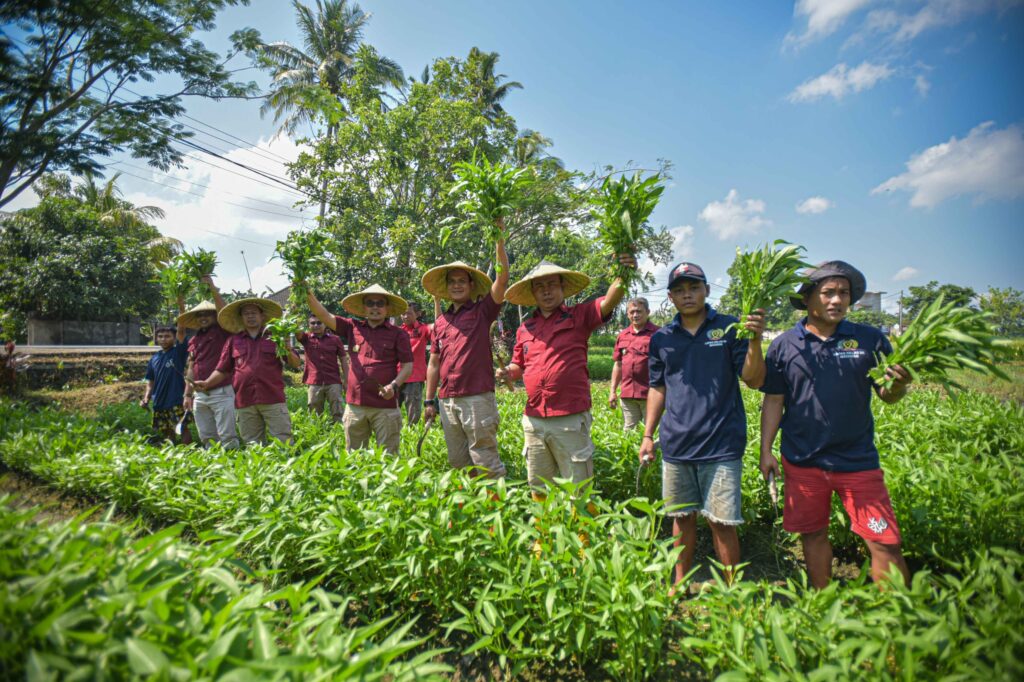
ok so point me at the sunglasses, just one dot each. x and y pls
(375, 304)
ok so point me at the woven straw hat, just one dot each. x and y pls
(353, 303)
(189, 319)
(832, 268)
(230, 316)
(436, 283)
(521, 293)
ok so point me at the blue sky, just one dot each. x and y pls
(888, 133)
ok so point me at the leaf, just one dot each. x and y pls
(145, 658)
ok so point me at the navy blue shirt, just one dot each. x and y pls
(704, 419)
(827, 421)
(166, 370)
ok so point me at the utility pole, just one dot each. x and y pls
(247, 275)
(901, 311)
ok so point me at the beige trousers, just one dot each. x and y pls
(383, 422)
(634, 412)
(214, 412)
(256, 421)
(558, 447)
(470, 425)
(332, 394)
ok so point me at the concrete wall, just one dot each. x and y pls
(82, 333)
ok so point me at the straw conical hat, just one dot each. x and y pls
(436, 283)
(353, 303)
(189, 318)
(230, 316)
(521, 293)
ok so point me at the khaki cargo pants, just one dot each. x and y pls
(634, 412)
(558, 447)
(470, 425)
(214, 412)
(256, 421)
(332, 394)
(383, 422)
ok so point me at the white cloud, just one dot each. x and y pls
(682, 249)
(922, 85)
(732, 217)
(840, 81)
(814, 205)
(904, 274)
(932, 14)
(988, 163)
(824, 17)
(233, 210)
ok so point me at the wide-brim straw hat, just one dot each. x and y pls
(190, 318)
(832, 268)
(230, 316)
(353, 303)
(435, 281)
(521, 293)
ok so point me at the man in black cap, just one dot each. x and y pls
(817, 389)
(695, 365)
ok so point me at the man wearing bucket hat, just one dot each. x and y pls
(214, 408)
(696, 364)
(257, 375)
(550, 355)
(461, 371)
(380, 362)
(818, 390)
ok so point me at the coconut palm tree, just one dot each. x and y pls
(531, 150)
(105, 199)
(332, 36)
(487, 88)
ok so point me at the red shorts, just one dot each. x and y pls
(808, 495)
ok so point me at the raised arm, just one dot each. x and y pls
(754, 370)
(501, 271)
(616, 291)
(218, 300)
(179, 331)
(320, 311)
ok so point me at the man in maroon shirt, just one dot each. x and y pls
(550, 356)
(214, 408)
(251, 360)
(630, 368)
(411, 394)
(461, 370)
(321, 374)
(380, 361)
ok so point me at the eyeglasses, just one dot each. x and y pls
(375, 304)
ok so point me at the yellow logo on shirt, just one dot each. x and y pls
(716, 334)
(848, 344)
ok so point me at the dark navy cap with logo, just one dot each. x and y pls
(686, 271)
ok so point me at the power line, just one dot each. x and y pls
(246, 177)
(199, 184)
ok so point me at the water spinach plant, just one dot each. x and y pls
(304, 254)
(489, 194)
(622, 208)
(281, 330)
(767, 276)
(944, 338)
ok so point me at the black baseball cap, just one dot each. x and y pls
(831, 268)
(686, 271)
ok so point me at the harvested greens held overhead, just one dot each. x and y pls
(303, 253)
(175, 280)
(941, 339)
(622, 207)
(490, 194)
(280, 330)
(766, 277)
(199, 263)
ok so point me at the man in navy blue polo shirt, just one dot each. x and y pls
(694, 364)
(165, 381)
(817, 388)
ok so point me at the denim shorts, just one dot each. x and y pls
(713, 488)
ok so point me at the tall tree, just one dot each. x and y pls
(486, 87)
(66, 73)
(61, 260)
(1007, 308)
(921, 297)
(332, 36)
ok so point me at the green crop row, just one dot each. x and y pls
(98, 601)
(408, 531)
